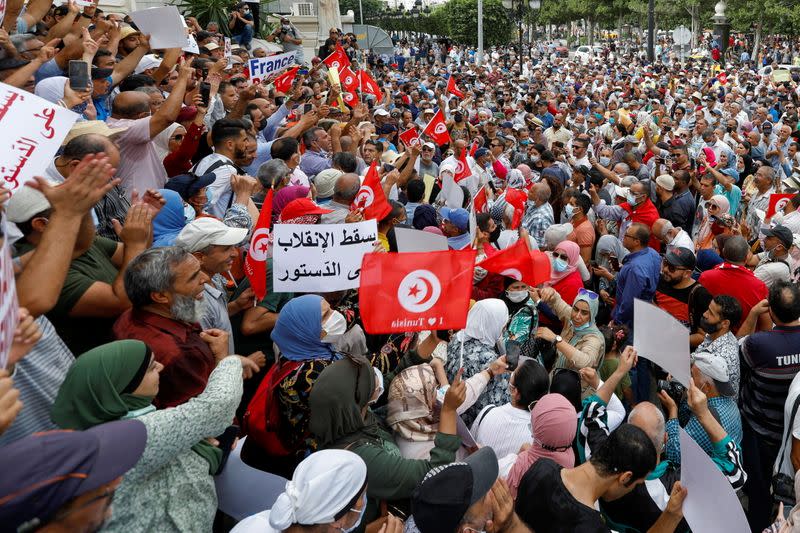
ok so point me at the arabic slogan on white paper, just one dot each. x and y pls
(320, 257)
(31, 130)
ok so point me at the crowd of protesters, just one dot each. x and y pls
(141, 348)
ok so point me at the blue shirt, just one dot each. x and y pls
(459, 242)
(729, 419)
(638, 278)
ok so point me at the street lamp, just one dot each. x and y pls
(722, 29)
(520, 14)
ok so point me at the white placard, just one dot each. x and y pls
(228, 47)
(414, 240)
(711, 503)
(31, 131)
(164, 25)
(262, 67)
(659, 337)
(9, 308)
(320, 257)
(191, 45)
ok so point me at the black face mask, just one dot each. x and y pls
(458, 117)
(494, 235)
(708, 327)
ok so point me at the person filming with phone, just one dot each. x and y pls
(290, 37)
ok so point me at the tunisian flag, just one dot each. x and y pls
(777, 202)
(462, 167)
(480, 203)
(369, 85)
(255, 264)
(516, 198)
(410, 137)
(338, 58)
(370, 196)
(452, 88)
(348, 79)
(284, 82)
(415, 291)
(520, 263)
(437, 129)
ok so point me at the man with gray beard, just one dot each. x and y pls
(165, 286)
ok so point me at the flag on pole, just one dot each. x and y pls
(480, 202)
(371, 197)
(369, 85)
(255, 264)
(463, 170)
(452, 88)
(284, 82)
(348, 79)
(338, 58)
(519, 262)
(437, 129)
(410, 137)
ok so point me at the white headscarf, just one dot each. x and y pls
(161, 141)
(51, 89)
(323, 484)
(485, 321)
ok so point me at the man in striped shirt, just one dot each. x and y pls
(770, 360)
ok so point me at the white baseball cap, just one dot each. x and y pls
(148, 61)
(25, 203)
(381, 112)
(207, 231)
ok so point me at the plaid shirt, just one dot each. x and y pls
(729, 418)
(537, 220)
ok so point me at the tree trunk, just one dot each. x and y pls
(590, 32)
(757, 38)
(695, 12)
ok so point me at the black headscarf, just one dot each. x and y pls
(424, 216)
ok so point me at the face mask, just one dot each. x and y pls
(536, 158)
(188, 213)
(517, 296)
(358, 522)
(708, 327)
(605, 161)
(494, 235)
(631, 198)
(569, 210)
(334, 326)
(559, 265)
(580, 328)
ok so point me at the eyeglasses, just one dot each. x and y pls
(178, 137)
(589, 294)
(565, 257)
(629, 236)
(672, 268)
(425, 149)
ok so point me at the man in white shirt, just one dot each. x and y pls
(229, 137)
(671, 236)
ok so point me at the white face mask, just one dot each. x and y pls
(517, 296)
(335, 325)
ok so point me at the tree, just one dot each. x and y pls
(372, 8)
(461, 17)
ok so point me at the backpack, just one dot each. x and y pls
(262, 418)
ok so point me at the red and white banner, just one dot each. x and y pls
(402, 292)
(437, 129)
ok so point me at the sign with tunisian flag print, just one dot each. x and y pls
(402, 292)
(31, 131)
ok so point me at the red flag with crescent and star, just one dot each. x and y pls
(437, 129)
(777, 201)
(463, 170)
(284, 82)
(371, 198)
(255, 264)
(519, 262)
(369, 85)
(348, 79)
(402, 292)
(516, 198)
(337, 59)
(410, 137)
(481, 203)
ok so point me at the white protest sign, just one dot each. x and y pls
(262, 67)
(191, 45)
(657, 336)
(2, 10)
(164, 25)
(320, 257)
(414, 240)
(8, 302)
(228, 47)
(711, 503)
(31, 131)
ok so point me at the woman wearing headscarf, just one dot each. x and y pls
(303, 332)
(565, 278)
(340, 418)
(171, 488)
(286, 195)
(474, 347)
(169, 222)
(412, 411)
(328, 488)
(56, 89)
(717, 206)
(608, 257)
(727, 176)
(553, 428)
(581, 344)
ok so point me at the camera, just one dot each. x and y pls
(674, 389)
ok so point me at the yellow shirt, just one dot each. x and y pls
(384, 241)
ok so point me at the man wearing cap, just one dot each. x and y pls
(711, 375)
(214, 245)
(65, 480)
(629, 145)
(774, 263)
(455, 226)
(456, 498)
(679, 294)
(426, 166)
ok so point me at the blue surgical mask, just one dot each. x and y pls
(188, 213)
(569, 210)
(559, 265)
(604, 161)
(631, 198)
(584, 327)
(358, 522)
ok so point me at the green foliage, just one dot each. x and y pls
(372, 8)
(206, 11)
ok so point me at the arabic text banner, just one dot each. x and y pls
(262, 67)
(31, 130)
(320, 257)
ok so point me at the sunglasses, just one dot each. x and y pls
(589, 294)
(565, 257)
(427, 149)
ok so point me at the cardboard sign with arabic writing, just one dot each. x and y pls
(31, 130)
